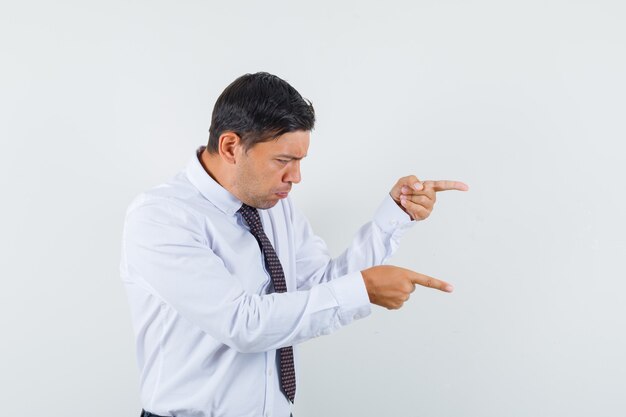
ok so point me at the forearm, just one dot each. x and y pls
(257, 323)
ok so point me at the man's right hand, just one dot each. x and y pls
(390, 286)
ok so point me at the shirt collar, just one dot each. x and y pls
(209, 188)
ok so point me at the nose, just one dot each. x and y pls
(293, 173)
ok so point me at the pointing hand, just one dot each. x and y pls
(417, 198)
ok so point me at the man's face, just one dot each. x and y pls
(267, 171)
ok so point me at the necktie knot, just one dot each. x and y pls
(251, 215)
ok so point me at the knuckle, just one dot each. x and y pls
(420, 213)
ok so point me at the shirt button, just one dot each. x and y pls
(270, 372)
(394, 222)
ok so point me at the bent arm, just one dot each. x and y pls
(165, 255)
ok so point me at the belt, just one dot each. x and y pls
(144, 413)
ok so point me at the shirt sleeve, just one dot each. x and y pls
(164, 253)
(372, 245)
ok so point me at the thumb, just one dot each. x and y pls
(412, 182)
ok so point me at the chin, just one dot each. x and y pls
(268, 205)
(264, 205)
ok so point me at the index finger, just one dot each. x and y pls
(426, 281)
(446, 185)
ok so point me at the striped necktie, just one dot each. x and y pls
(275, 269)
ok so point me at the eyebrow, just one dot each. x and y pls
(287, 156)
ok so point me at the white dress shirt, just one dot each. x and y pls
(206, 328)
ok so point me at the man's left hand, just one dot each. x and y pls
(417, 198)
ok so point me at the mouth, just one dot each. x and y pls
(282, 194)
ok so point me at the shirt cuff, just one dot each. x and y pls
(351, 295)
(390, 217)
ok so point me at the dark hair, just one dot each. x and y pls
(258, 108)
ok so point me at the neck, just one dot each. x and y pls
(214, 166)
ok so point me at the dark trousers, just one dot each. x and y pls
(144, 413)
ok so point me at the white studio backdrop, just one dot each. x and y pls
(524, 101)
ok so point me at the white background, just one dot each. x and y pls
(525, 101)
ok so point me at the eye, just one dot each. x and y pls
(283, 161)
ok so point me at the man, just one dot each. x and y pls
(225, 276)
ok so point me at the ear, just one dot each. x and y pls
(229, 147)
